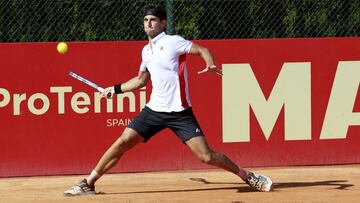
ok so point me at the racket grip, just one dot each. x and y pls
(100, 89)
(108, 95)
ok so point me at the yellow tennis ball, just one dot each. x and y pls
(62, 47)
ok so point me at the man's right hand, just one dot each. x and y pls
(108, 92)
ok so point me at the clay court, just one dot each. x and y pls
(293, 184)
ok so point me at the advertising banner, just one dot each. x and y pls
(280, 102)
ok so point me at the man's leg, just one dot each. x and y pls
(201, 149)
(125, 142)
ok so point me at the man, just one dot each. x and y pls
(163, 58)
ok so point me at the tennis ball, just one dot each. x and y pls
(62, 47)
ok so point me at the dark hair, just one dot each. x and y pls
(155, 10)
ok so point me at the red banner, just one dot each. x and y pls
(280, 102)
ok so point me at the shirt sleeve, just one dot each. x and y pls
(182, 45)
(143, 65)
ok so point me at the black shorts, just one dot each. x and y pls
(150, 122)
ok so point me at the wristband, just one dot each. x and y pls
(118, 89)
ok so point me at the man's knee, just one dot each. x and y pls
(126, 141)
(118, 147)
(119, 143)
(206, 157)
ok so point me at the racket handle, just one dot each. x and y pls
(100, 89)
(108, 95)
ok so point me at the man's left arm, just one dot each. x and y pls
(207, 56)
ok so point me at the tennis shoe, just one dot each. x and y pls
(259, 182)
(80, 188)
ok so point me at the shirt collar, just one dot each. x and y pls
(159, 36)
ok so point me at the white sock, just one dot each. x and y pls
(93, 177)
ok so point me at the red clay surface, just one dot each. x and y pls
(294, 184)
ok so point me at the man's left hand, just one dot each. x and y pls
(212, 68)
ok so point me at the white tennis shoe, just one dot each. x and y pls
(81, 188)
(259, 182)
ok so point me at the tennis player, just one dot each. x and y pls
(163, 60)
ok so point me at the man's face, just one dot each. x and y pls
(153, 25)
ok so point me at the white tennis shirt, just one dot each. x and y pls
(165, 61)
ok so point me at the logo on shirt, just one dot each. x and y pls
(197, 130)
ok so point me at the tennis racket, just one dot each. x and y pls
(88, 82)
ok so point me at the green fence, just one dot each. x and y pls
(108, 20)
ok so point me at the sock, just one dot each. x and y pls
(93, 177)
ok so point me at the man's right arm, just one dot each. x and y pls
(134, 83)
